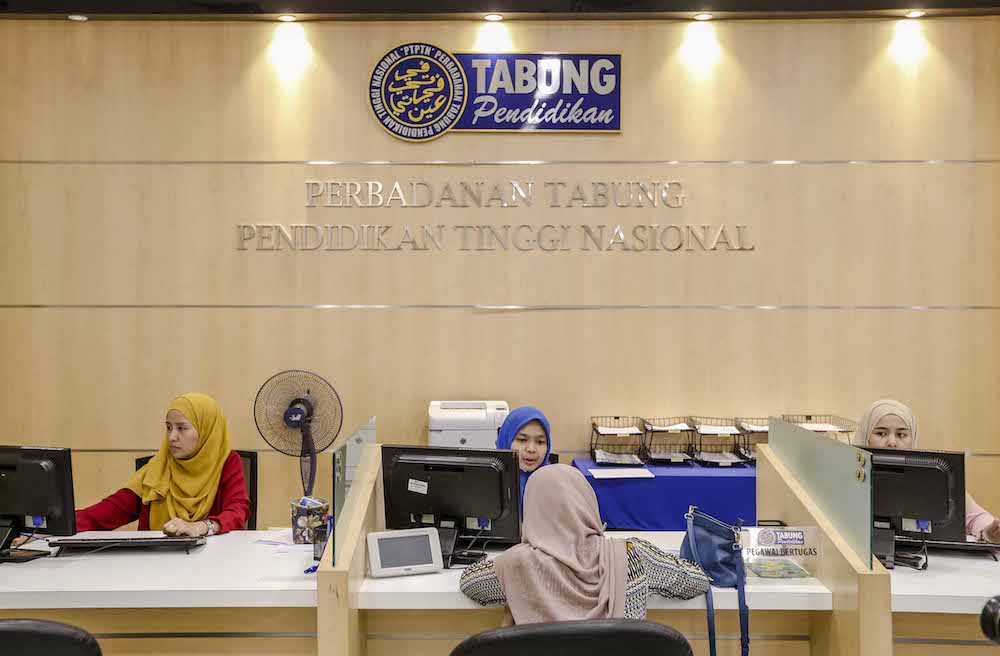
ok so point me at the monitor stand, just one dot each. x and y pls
(452, 554)
(448, 537)
(884, 546)
(10, 529)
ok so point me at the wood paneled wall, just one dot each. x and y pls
(130, 150)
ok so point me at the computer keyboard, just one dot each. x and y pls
(110, 542)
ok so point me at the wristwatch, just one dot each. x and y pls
(211, 527)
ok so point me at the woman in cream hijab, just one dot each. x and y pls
(566, 569)
(888, 424)
(193, 486)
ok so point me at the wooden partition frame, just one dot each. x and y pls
(861, 620)
(339, 624)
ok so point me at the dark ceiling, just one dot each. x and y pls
(423, 8)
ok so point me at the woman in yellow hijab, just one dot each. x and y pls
(193, 486)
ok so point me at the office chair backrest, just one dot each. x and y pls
(583, 638)
(249, 460)
(44, 637)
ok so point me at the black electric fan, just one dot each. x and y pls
(299, 414)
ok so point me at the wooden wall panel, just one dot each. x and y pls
(789, 89)
(888, 234)
(571, 364)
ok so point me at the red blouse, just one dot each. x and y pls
(230, 510)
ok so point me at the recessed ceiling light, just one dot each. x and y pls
(286, 18)
(493, 18)
(77, 17)
(916, 13)
(703, 16)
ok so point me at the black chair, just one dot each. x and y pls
(44, 637)
(249, 459)
(584, 638)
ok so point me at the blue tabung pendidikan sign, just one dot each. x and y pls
(419, 92)
(542, 92)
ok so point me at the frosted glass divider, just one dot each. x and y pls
(837, 476)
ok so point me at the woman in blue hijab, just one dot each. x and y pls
(526, 430)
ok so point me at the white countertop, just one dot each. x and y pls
(231, 570)
(953, 582)
(440, 590)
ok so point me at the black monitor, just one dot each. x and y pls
(468, 494)
(918, 495)
(36, 492)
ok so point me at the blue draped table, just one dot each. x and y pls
(659, 503)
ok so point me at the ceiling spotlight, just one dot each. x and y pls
(493, 18)
(703, 16)
(77, 17)
(286, 18)
(916, 13)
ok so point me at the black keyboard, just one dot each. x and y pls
(941, 544)
(93, 544)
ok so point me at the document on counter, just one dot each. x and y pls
(621, 472)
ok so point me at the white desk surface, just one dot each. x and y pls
(954, 582)
(440, 590)
(228, 571)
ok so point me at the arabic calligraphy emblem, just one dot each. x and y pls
(417, 91)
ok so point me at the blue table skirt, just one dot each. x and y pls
(659, 504)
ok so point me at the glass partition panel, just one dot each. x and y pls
(345, 462)
(837, 476)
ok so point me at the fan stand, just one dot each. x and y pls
(307, 459)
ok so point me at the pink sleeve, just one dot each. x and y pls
(976, 519)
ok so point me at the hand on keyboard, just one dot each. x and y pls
(179, 528)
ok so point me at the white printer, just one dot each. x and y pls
(468, 424)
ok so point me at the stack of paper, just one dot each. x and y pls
(673, 428)
(628, 430)
(823, 428)
(722, 459)
(669, 456)
(754, 428)
(604, 458)
(718, 430)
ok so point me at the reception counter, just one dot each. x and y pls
(440, 591)
(428, 614)
(232, 595)
(937, 610)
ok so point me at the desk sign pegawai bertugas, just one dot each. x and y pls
(419, 91)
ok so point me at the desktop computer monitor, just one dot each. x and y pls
(468, 494)
(919, 494)
(36, 492)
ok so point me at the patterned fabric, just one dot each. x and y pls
(649, 570)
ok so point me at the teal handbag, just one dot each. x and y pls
(715, 546)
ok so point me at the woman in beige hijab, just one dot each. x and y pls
(888, 424)
(566, 569)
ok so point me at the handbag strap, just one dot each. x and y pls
(709, 601)
(741, 593)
